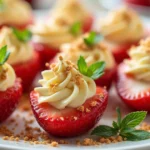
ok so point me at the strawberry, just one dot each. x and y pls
(139, 2)
(134, 93)
(88, 24)
(27, 71)
(107, 78)
(69, 122)
(9, 100)
(46, 53)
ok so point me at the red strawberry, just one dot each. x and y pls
(88, 24)
(27, 71)
(69, 122)
(139, 2)
(107, 78)
(46, 53)
(134, 93)
(9, 100)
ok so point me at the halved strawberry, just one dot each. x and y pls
(69, 122)
(88, 24)
(107, 78)
(9, 100)
(134, 93)
(46, 52)
(27, 71)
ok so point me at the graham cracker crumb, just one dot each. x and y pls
(81, 108)
(54, 144)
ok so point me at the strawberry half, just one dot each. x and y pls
(9, 100)
(46, 52)
(27, 71)
(136, 94)
(88, 24)
(69, 122)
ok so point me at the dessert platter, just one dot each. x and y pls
(65, 84)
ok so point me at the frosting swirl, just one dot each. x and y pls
(70, 11)
(15, 12)
(65, 80)
(139, 64)
(20, 51)
(52, 33)
(122, 25)
(98, 52)
(7, 77)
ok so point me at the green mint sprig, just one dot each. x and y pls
(93, 38)
(124, 127)
(94, 71)
(76, 28)
(4, 54)
(22, 35)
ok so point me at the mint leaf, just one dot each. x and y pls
(96, 70)
(4, 54)
(76, 28)
(93, 38)
(119, 116)
(137, 135)
(89, 41)
(82, 66)
(115, 125)
(133, 119)
(104, 131)
(22, 35)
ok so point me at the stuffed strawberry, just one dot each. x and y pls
(10, 86)
(23, 58)
(92, 48)
(48, 37)
(12, 15)
(134, 76)
(71, 11)
(69, 103)
(122, 28)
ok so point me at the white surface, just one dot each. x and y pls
(114, 102)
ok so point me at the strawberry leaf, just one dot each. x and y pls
(76, 28)
(4, 54)
(104, 131)
(119, 116)
(22, 35)
(133, 119)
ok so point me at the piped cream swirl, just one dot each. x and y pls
(52, 33)
(63, 86)
(122, 25)
(98, 52)
(139, 63)
(15, 12)
(7, 77)
(20, 51)
(69, 10)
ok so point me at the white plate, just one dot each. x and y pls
(109, 115)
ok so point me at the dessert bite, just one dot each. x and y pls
(68, 103)
(72, 11)
(15, 13)
(92, 48)
(133, 77)
(10, 86)
(122, 28)
(23, 58)
(48, 37)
